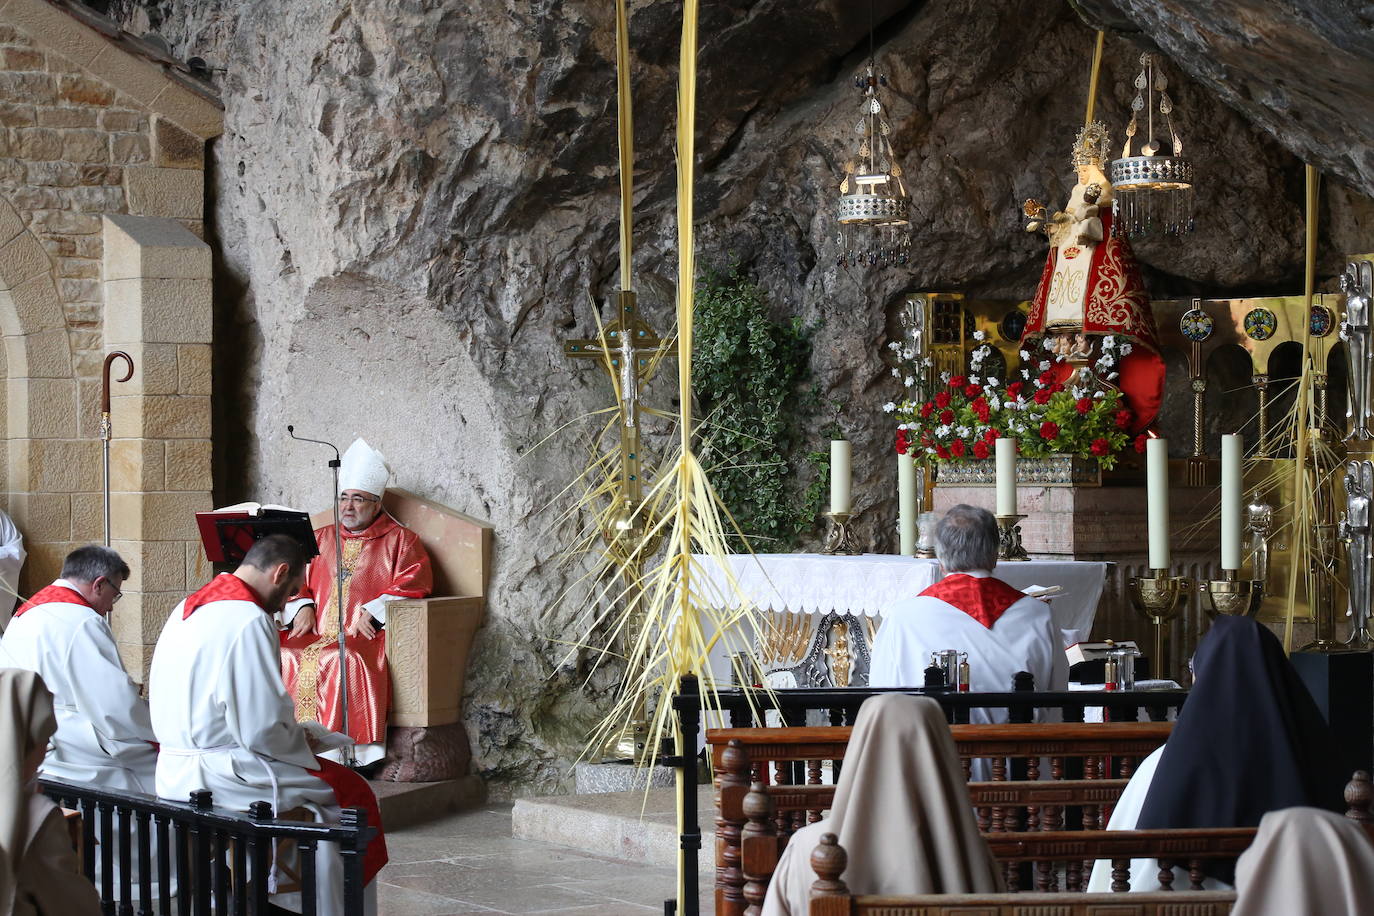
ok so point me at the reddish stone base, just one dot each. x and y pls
(426, 754)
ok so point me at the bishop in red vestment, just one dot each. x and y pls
(382, 561)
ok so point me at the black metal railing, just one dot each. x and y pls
(745, 707)
(151, 857)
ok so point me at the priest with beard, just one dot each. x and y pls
(382, 561)
(225, 723)
(1003, 630)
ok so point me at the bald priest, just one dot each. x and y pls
(382, 561)
(1002, 630)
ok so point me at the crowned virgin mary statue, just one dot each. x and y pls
(1092, 285)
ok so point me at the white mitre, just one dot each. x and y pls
(364, 469)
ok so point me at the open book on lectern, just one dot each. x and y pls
(228, 533)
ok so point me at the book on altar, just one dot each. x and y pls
(228, 533)
(1081, 652)
(1043, 592)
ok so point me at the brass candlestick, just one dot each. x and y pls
(1010, 547)
(1159, 598)
(839, 539)
(1233, 595)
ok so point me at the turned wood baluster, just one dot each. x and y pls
(1166, 875)
(1012, 870)
(999, 774)
(828, 861)
(782, 778)
(733, 786)
(1359, 793)
(1121, 876)
(1195, 874)
(759, 847)
(813, 778)
(1033, 811)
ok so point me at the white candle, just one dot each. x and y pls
(906, 503)
(840, 453)
(1006, 476)
(1157, 499)
(1232, 485)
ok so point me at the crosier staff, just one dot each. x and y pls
(106, 426)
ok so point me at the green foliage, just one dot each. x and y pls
(749, 376)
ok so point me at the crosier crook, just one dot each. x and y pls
(106, 427)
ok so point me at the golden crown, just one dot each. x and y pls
(1092, 146)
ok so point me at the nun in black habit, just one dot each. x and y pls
(1250, 740)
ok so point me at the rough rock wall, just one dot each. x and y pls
(414, 202)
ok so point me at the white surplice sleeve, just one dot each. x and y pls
(12, 555)
(377, 606)
(103, 692)
(258, 713)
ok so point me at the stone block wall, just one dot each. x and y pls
(101, 207)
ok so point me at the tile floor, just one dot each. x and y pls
(468, 863)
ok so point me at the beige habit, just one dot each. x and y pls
(901, 812)
(1306, 862)
(39, 874)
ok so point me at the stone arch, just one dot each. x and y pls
(52, 468)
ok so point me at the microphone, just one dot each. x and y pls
(291, 431)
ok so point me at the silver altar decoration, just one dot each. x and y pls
(1357, 282)
(839, 651)
(1054, 471)
(1356, 535)
(1259, 525)
(1151, 192)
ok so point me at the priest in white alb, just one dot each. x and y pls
(225, 722)
(104, 737)
(1002, 630)
(382, 561)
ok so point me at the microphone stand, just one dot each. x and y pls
(349, 758)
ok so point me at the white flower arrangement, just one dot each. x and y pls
(889, 407)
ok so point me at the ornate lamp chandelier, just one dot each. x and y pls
(1152, 192)
(874, 204)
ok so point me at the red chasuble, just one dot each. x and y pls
(383, 559)
(54, 594)
(1115, 302)
(985, 599)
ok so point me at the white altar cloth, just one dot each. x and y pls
(810, 583)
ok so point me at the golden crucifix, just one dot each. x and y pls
(629, 350)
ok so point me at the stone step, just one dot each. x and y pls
(405, 804)
(619, 776)
(635, 826)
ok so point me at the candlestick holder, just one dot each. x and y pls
(1233, 595)
(839, 538)
(1009, 546)
(1159, 598)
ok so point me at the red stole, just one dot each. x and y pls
(352, 791)
(984, 599)
(224, 587)
(54, 594)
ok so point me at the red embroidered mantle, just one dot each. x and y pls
(54, 594)
(984, 599)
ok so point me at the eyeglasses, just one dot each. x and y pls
(357, 500)
(118, 593)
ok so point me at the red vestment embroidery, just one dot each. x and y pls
(224, 587)
(984, 599)
(54, 594)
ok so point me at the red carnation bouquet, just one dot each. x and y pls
(1048, 409)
